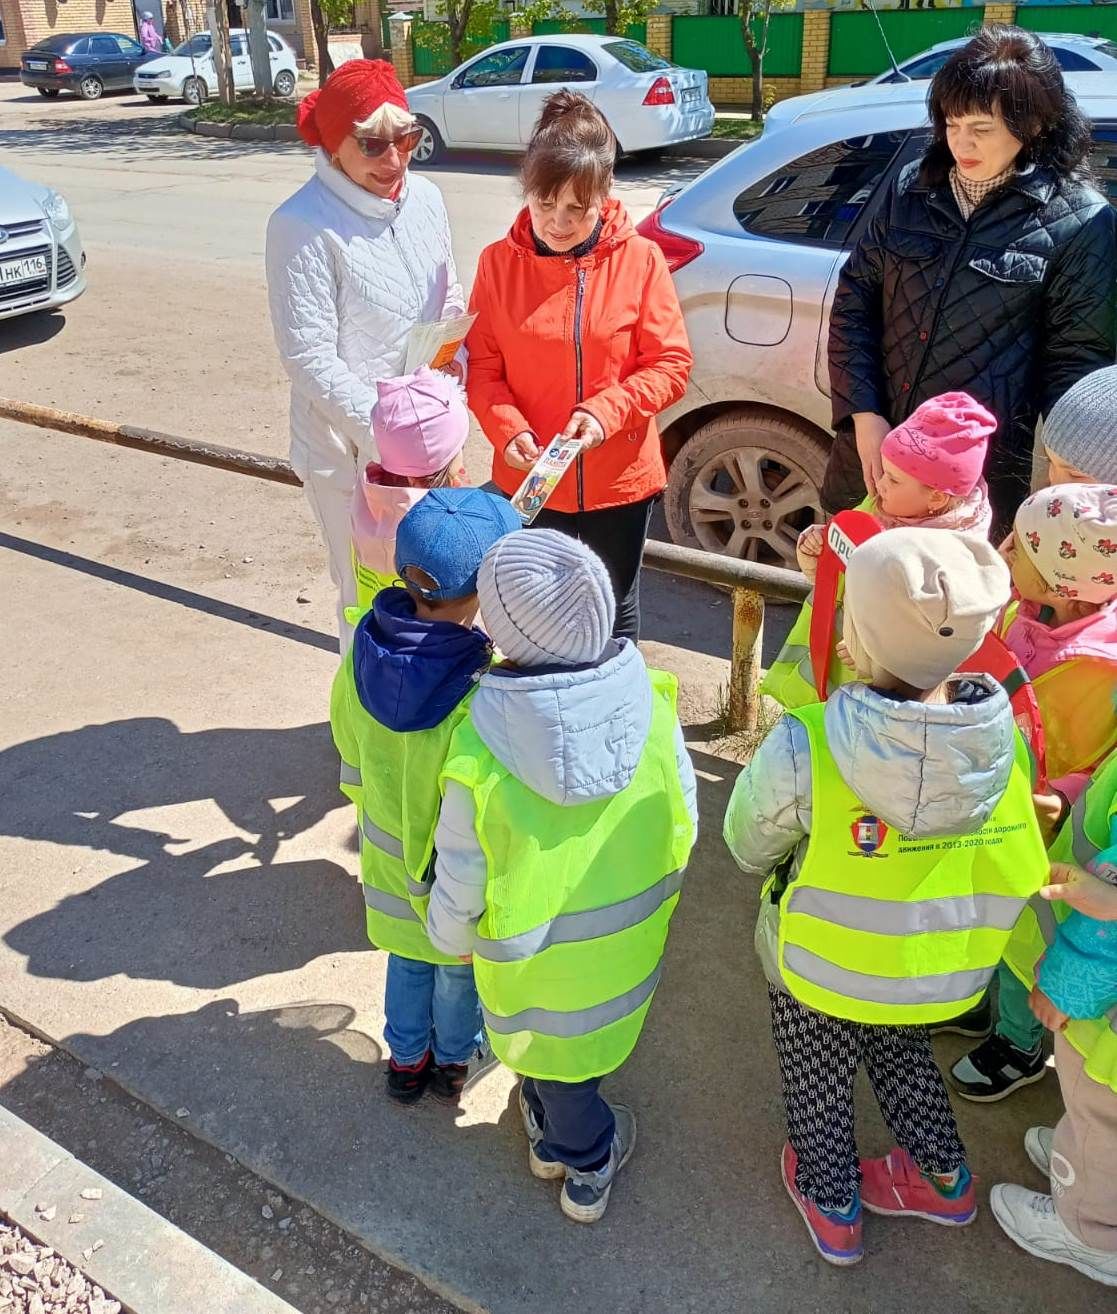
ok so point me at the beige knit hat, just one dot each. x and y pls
(919, 602)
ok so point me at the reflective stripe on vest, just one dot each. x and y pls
(350, 775)
(581, 1022)
(592, 924)
(389, 904)
(886, 928)
(380, 839)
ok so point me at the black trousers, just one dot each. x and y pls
(617, 535)
(819, 1058)
(578, 1125)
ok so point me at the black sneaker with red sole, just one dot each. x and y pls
(448, 1081)
(406, 1085)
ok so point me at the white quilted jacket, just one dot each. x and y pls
(348, 276)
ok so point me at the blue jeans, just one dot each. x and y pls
(431, 1007)
(578, 1125)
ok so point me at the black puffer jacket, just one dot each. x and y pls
(1013, 307)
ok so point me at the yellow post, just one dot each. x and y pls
(744, 669)
(518, 27)
(659, 35)
(403, 55)
(1005, 14)
(816, 50)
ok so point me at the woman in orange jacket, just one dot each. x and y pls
(579, 332)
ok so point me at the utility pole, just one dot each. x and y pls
(218, 17)
(258, 47)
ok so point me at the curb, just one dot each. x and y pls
(134, 1255)
(240, 131)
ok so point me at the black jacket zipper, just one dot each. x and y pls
(579, 294)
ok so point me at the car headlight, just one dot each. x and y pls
(57, 211)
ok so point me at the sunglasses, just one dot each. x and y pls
(373, 147)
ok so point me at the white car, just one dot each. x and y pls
(492, 102)
(42, 264)
(190, 73)
(1074, 53)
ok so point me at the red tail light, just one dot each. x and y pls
(60, 66)
(661, 92)
(677, 250)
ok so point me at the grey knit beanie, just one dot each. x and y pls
(546, 599)
(1081, 429)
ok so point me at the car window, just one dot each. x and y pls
(1103, 157)
(276, 44)
(80, 47)
(635, 57)
(818, 197)
(103, 45)
(926, 67)
(503, 68)
(238, 45)
(128, 46)
(1107, 48)
(1070, 61)
(197, 46)
(562, 64)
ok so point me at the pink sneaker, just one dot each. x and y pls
(896, 1185)
(837, 1240)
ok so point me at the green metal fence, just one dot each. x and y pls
(435, 60)
(717, 45)
(553, 27)
(1088, 19)
(856, 49)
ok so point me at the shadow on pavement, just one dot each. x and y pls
(30, 330)
(176, 916)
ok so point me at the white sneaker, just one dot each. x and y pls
(1037, 1146)
(1029, 1218)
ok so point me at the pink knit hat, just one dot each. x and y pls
(1070, 534)
(420, 422)
(943, 443)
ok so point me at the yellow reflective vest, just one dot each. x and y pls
(392, 777)
(578, 901)
(882, 927)
(1083, 836)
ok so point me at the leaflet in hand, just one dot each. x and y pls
(436, 344)
(543, 477)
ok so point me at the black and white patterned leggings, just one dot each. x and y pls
(819, 1057)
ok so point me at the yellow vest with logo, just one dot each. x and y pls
(394, 785)
(577, 904)
(1083, 836)
(882, 927)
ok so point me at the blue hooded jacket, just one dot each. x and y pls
(411, 673)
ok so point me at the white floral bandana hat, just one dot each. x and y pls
(1070, 533)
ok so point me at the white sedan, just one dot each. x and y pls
(190, 73)
(492, 101)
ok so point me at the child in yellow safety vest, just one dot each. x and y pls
(932, 480)
(568, 816)
(1062, 629)
(414, 663)
(420, 424)
(895, 828)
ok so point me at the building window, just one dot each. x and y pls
(281, 11)
(3, 34)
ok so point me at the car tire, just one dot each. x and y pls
(431, 147)
(155, 99)
(739, 459)
(91, 87)
(195, 91)
(285, 83)
(49, 92)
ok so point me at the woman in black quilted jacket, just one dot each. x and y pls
(990, 268)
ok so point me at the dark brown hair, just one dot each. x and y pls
(1013, 71)
(572, 144)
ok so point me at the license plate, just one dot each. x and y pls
(22, 271)
(37, 64)
(691, 93)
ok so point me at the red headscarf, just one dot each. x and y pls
(352, 92)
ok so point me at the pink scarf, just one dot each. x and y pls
(972, 515)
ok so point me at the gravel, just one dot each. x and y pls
(35, 1279)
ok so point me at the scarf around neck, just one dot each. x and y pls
(970, 515)
(970, 194)
(575, 252)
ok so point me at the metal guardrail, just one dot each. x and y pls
(749, 581)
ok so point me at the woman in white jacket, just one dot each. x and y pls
(355, 259)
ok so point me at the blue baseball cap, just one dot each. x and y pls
(445, 535)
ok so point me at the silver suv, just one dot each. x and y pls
(755, 245)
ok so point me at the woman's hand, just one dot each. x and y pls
(1053, 1018)
(870, 432)
(522, 452)
(582, 425)
(1082, 891)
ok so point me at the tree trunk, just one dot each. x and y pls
(258, 47)
(457, 21)
(321, 41)
(222, 53)
(757, 93)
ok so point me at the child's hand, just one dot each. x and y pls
(1049, 810)
(1082, 891)
(465, 958)
(808, 550)
(1054, 1019)
(844, 655)
(522, 452)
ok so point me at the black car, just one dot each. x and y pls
(88, 63)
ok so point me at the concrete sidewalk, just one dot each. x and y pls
(178, 908)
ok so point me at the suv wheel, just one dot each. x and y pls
(90, 87)
(745, 484)
(431, 146)
(285, 83)
(194, 91)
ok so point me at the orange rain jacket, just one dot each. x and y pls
(603, 333)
